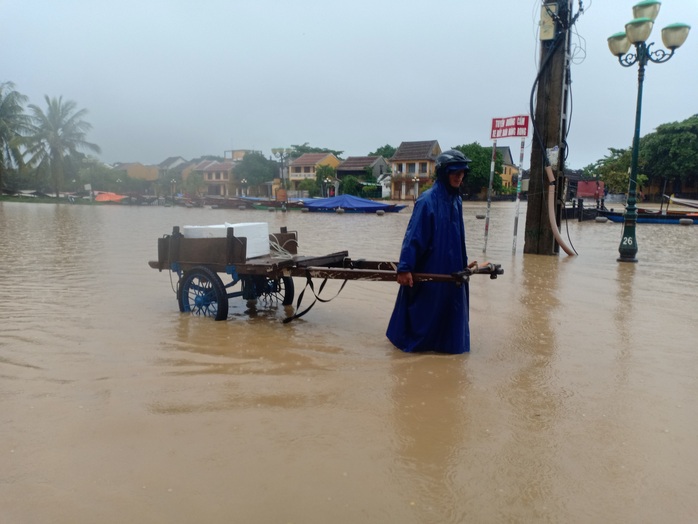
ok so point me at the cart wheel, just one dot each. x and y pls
(201, 292)
(279, 290)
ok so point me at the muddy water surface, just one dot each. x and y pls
(578, 402)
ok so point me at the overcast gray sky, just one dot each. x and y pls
(164, 78)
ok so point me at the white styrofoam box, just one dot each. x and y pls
(257, 234)
(217, 231)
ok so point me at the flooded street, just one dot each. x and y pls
(578, 402)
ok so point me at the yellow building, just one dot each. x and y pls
(413, 165)
(509, 170)
(305, 166)
(138, 171)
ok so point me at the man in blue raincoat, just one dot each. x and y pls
(433, 316)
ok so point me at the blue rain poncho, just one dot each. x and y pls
(433, 316)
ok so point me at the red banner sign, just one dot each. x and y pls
(513, 126)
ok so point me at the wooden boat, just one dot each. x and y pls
(281, 205)
(227, 202)
(350, 204)
(683, 201)
(646, 216)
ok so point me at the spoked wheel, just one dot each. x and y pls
(271, 290)
(201, 292)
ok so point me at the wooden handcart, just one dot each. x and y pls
(200, 262)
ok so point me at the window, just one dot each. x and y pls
(412, 167)
(422, 167)
(306, 169)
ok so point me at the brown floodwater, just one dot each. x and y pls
(577, 403)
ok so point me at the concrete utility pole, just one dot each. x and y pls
(550, 125)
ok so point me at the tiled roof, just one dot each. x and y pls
(213, 165)
(171, 162)
(203, 165)
(310, 159)
(357, 163)
(219, 166)
(506, 155)
(424, 150)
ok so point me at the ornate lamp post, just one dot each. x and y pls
(416, 186)
(282, 153)
(637, 31)
(243, 183)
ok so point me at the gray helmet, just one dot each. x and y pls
(451, 160)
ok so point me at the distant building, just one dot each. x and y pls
(217, 176)
(360, 166)
(137, 171)
(413, 165)
(305, 166)
(375, 166)
(510, 172)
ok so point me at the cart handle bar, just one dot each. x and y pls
(493, 270)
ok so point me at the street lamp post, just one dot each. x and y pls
(327, 181)
(243, 183)
(637, 31)
(174, 183)
(282, 153)
(416, 186)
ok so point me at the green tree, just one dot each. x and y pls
(385, 151)
(671, 152)
(100, 176)
(613, 169)
(194, 184)
(309, 185)
(13, 124)
(298, 150)
(56, 133)
(351, 186)
(591, 171)
(324, 172)
(256, 169)
(479, 177)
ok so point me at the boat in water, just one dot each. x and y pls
(663, 215)
(683, 201)
(646, 216)
(276, 205)
(349, 204)
(227, 202)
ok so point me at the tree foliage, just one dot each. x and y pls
(671, 152)
(613, 169)
(323, 172)
(479, 176)
(298, 150)
(13, 124)
(55, 134)
(310, 185)
(256, 169)
(351, 185)
(386, 151)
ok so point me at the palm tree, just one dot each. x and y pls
(13, 124)
(59, 132)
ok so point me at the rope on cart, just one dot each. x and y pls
(279, 251)
(309, 284)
